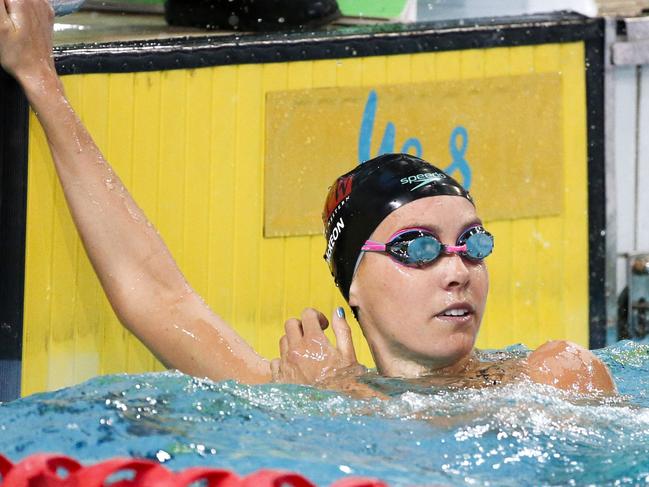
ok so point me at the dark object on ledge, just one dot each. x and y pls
(252, 15)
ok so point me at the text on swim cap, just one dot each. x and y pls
(335, 233)
(423, 179)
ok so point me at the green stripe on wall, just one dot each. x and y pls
(372, 8)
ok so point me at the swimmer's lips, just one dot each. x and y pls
(458, 312)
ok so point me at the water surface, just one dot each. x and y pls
(502, 435)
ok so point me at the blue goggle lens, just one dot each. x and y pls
(423, 249)
(479, 245)
(417, 248)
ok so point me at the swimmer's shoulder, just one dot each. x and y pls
(569, 366)
(496, 367)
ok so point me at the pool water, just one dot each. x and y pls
(501, 435)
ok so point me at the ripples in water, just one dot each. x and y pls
(501, 435)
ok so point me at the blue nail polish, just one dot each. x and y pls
(340, 312)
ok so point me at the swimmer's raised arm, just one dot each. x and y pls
(144, 286)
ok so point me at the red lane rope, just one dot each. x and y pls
(5, 466)
(53, 470)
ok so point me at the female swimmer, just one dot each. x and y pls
(404, 244)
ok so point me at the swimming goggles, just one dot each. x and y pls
(417, 247)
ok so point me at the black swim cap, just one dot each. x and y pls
(359, 201)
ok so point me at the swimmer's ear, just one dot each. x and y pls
(354, 300)
(353, 295)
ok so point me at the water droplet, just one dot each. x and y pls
(162, 456)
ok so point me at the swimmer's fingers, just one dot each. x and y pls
(293, 329)
(313, 323)
(343, 334)
(29, 15)
(12, 7)
(5, 22)
(275, 369)
(283, 346)
(26, 38)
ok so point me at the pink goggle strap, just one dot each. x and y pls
(373, 246)
(454, 249)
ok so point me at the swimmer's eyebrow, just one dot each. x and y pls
(436, 229)
(474, 222)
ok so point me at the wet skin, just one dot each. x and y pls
(409, 316)
(405, 312)
(425, 321)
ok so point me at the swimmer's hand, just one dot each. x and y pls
(26, 39)
(306, 354)
(568, 366)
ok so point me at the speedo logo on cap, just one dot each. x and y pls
(423, 179)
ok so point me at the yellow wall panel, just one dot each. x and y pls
(521, 60)
(522, 250)
(496, 324)
(42, 184)
(191, 145)
(575, 221)
(547, 58)
(349, 72)
(220, 265)
(496, 330)
(171, 171)
(548, 238)
(374, 71)
(472, 63)
(197, 186)
(271, 275)
(523, 280)
(423, 68)
(398, 68)
(448, 66)
(297, 249)
(247, 206)
(548, 299)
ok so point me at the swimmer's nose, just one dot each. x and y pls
(455, 272)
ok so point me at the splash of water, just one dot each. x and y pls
(500, 435)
